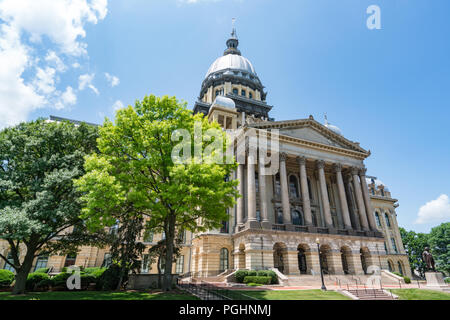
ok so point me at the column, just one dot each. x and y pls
(284, 190)
(342, 197)
(305, 191)
(262, 190)
(324, 194)
(240, 200)
(365, 192)
(359, 199)
(251, 187)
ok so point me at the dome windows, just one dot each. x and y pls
(235, 91)
(243, 93)
(250, 95)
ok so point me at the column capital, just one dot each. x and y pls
(301, 161)
(362, 172)
(283, 156)
(355, 171)
(337, 167)
(320, 164)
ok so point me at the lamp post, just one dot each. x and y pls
(320, 264)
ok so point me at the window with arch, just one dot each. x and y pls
(390, 266)
(388, 221)
(224, 259)
(297, 218)
(400, 268)
(250, 95)
(279, 216)
(235, 91)
(243, 93)
(293, 186)
(377, 219)
(394, 245)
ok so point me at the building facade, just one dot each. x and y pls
(317, 207)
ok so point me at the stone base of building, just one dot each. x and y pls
(435, 280)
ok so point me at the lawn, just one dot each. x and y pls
(93, 295)
(291, 295)
(420, 294)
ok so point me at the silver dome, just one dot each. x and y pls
(224, 102)
(233, 62)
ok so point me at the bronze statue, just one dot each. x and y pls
(428, 259)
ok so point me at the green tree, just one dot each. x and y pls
(38, 201)
(415, 244)
(135, 166)
(439, 239)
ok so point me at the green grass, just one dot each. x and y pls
(291, 295)
(93, 295)
(420, 294)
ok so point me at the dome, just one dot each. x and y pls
(231, 62)
(331, 127)
(224, 102)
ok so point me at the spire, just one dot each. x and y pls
(233, 42)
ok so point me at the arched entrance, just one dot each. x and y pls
(345, 255)
(302, 264)
(365, 258)
(324, 253)
(279, 257)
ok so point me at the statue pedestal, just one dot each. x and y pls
(435, 280)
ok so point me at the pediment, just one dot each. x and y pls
(312, 131)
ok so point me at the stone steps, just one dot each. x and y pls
(371, 294)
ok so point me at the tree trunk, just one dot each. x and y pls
(22, 273)
(170, 236)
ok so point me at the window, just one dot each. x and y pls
(277, 185)
(107, 260)
(388, 221)
(225, 227)
(256, 182)
(310, 189)
(162, 265)
(148, 236)
(382, 192)
(179, 268)
(182, 236)
(385, 247)
(377, 219)
(70, 260)
(390, 266)
(330, 195)
(400, 268)
(394, 245)
(114, 229)
(223, 259)
(279, 216)
(235, 91)
(7, 266)
(293, 187)
(243, 93)
(41, 263)
(297, 218)
(314, 218)
(250, 95)
(145, 264)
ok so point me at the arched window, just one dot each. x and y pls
(377, 219)
(279, 216)
(243, 93)
(400, 268)
(235, 91)
(388, 221)
(297, 218)
(277, 185)
(293, 187)
(224, 259)
(250, 95)
(394, 245)
(390, 266)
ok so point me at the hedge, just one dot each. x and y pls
(241, 274)
(42, 270)
(257, 279)
(6, 278)
(269, 273)
(34, 279)
(407, 279)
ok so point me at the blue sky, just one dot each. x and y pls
(388, 89)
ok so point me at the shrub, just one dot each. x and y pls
(42, 270)
(87, 279)
(269, 273)
(447, 280)
(95, 272)
(257, 279)
(60, 280)
(109, 279)
(252, 273)
(45, 284)
(6, 278)
(240, 275)
(397, 273)
(407, 279)
(34, 278)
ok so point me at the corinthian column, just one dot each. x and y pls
(365, 192)
(262, 191)
(342, 197)
(359, 199)
(324, 194)
(251, 187)
(305, 191)
(240, 200)
(284, 190)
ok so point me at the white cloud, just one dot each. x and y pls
(112, 80)
(435, 211)
(117, 105)
(28, 79)
(85, 81)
